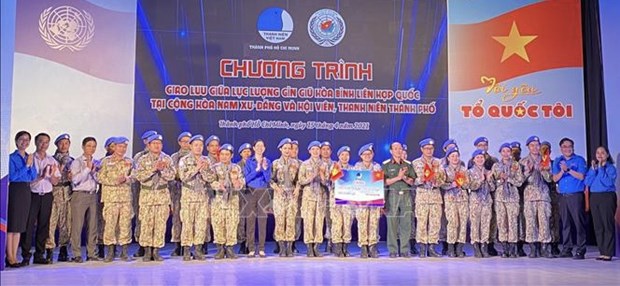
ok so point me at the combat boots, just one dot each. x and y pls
(110, 255)
(230, 253)
(289, 249)
(374, 252)
(310, 250)
(186, 253)
(477, 250)
(432, 252)
(316, 251)
(282, 248)
(156, 255)
(459, 250)
(423, 250)
(146, 254)
(177, 250)
(220, 252)
(485, 250)
(451, 252)
(364, 253)
(124, 253)
(200, 254)
(63, 255)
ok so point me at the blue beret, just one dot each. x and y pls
(427, 141)
(343, 149)
(109, 142)
(532, 139)
(212, 138)
(227, 147)
(480, 140)
(295, 142)
(515, 144)
(196, 137)
(505, 145)
(546, 143)
(148, 134)
(243, 147)
(404, 147)
(448, 142)
(61, 137)
(314, 144)
(478, 152)
(120, 140)
(184, 134)
(452, 150)
(326, 143)
(154, 137)
(284, 142)
(367, 147)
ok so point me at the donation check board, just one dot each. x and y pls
(360, 188)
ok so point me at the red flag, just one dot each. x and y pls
(460, 179)
(429, 173)
(377, 176)
(336, 173)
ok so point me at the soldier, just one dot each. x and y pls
(516, 155)
(428, 177)
(283, 182)
(482, 143)
(326, 154)
(399, 177)
(341, 215)
(194, 172)
(61, 212)
(135, 189)
(537, 200)
(245, 151)
(109, 150)
(175, 192)
(115, 180)
(368, 216)
(481, 186)
(443, 231)
(298, 222)
(313, 179)
(227, 180)
(213, 155)
(554, 222)
(508, 177)
(257, 174)
(84, 201)
(456, 202)
(154, 171)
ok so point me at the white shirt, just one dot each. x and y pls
(83, 178)
(44, 169)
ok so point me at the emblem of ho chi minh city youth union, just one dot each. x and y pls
(66, 27)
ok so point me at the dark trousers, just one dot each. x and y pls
(40, 212)
(243, 201)
(572, 212)
(603, 208)
(257, 203)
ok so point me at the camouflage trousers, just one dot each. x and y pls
(537, 214)
(313, 214)
(285, 212)
(367, 225)
(135, 190)
(521, 221)
(493, 227)
(443, 230)
(507, 221)
(175, 196)
(328, 220)
(60, 218)
(429, 222)
(342, 219)
(554, 221)
(194, 218)
(480, 221)
(298, 222)
(153, 220)
(100, 219)
(413, 219)
(456, 214)
(225, 219)
(117, 217)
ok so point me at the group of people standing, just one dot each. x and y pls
(430, 200)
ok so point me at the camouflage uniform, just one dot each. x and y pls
(489, 161)
(428, 201)
(313, 198)
(175, 197)
(480, 205)
(225, 205)
(135, 190)
(456, 205)
(367, 217)
(154, 198)
(284, 175)
(116, 199)
(211, 194)
(537, 202)
(341, 217)
(194, 200)
(507, 199)
(61, 211)
(327, 189)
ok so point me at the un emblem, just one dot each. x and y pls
(66, 27)
(326, 28)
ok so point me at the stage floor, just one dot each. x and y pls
(328, 270)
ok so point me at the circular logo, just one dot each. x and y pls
(275, 25)
(326, 28)
(66, 27)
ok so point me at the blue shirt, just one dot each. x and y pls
(18, 172)
(569, 184)
(602, 179)
(257, 179)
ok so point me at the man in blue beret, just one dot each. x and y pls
(298, 223)
(341, 215)
(135, 189)
(368, 216)
(213, 154)
(326, 154)
(109, 145)
(516, 155)
(175, 192)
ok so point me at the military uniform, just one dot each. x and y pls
(368, 219)
(480, 208)
(175, 187)
(328, 188)
(135, 190)
(456, 207)
(154, 200)
(313, 202)
(225, 205)
(194, 203)
(507, 203)
(117, 203)
(61, 211)
(428, 203)
(284, 176)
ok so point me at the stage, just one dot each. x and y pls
(328, 270)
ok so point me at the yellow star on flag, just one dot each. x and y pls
(514, 43)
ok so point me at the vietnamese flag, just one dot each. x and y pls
(537, 37)
(460, 179)
(336, 173)
(545, 163)
(377, 176)
(429, 173)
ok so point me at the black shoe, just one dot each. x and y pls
(532, 251)
(450, 251)
(220, 254)
(414, 249)
(491, 249)
(459, 250)
(187, 254)
(444, 248)
(100, 251)
(579, 256)
(505, 250)
(124, 253)
(566, 253)
(432, 252)
(295, 247)
(230, 252)
(177, 249)
(200, 254)
(289, 249)
(243, 249)
(110, 255)
(546, 251)
(316, 251)
(345, 250)
(364, 253)
(555, 250)
(147, 254)
(374, 252)
(156, 255)
(477, 250)
(277, 249)
(63, 255)
(139, 253)
(282, 248)
(49, 256)
(423, 250)
(310, 250)
(520, 251)
(484, 249)
(77, 259)
(514, 251)
(39, 260)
